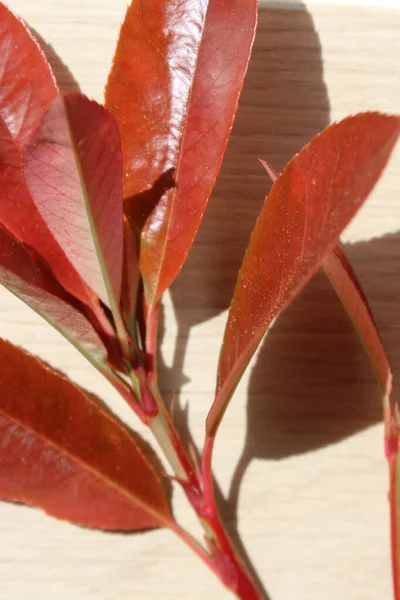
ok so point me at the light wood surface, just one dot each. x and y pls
(299, 458)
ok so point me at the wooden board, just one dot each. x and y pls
(299, 457)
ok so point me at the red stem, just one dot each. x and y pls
(128, 396)
(221, 557)
(197, 549)
(199, 489)
(394, 529)
(151, 339)
(236, 576)
(391, 451)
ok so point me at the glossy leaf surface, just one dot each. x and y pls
(22, 275)
(308, 206)
(27, 85)
(63, 453)
(73, 171)
(349, 290)
(173, 89)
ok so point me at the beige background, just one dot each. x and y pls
(305, 425)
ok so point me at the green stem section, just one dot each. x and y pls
(159, 428)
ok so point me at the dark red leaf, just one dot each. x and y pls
(308, 206)
(73, 172)
(61, 452)
(22, 275)
(173, 89)
(349, 290)
(27, 84)
(20, 216)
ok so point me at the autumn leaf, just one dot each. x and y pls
(27, 88)
(351, 294)
(19, 216)
(23, 275)
(73, 172)
(349, 290)
(308, 206)
(173, 90)
(62, 452)
(27, 84)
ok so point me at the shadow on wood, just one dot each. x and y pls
(312, 384)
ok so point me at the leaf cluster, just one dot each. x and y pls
(99, 208)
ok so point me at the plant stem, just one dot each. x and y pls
(170, 442)
(242, 583)
(222, 558)
(392, 456)
(394, 528)
(197, 483)
(151, 339)
(197, 548)
(159, 429)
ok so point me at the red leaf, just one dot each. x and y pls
(174, 89)
(27, 84)
(61, 452)
(73, 171)
(20, 216)
(349, 290)
(308, 206)
(21, 275)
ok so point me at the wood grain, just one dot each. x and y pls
(300, 456)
